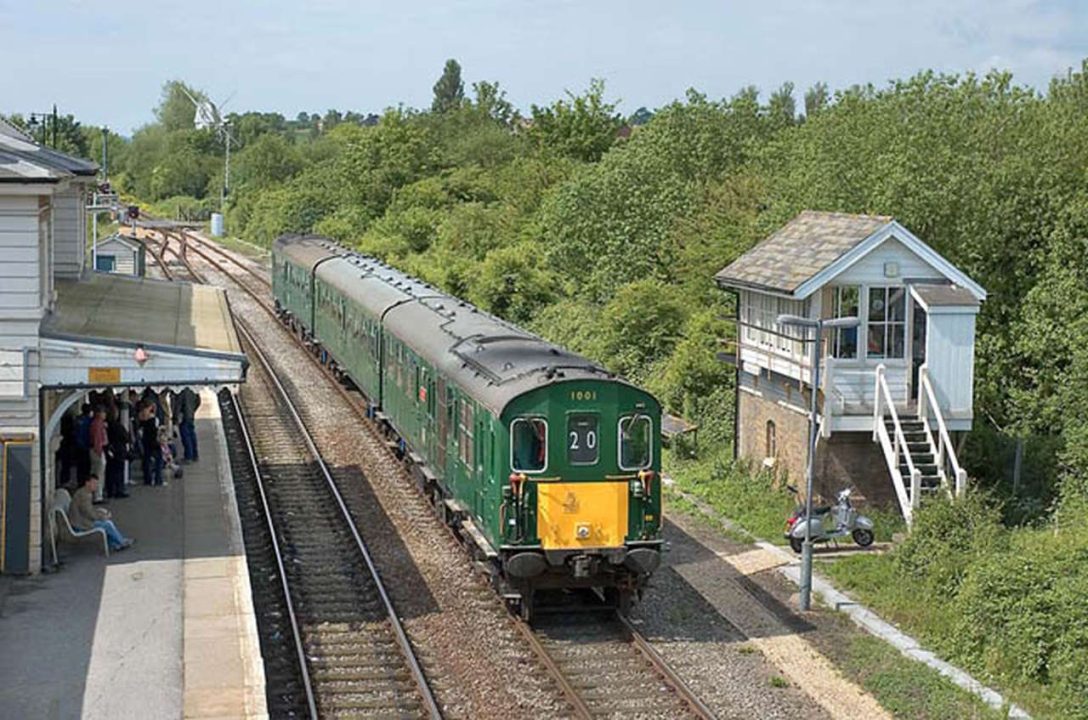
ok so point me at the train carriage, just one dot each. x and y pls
(546, 463)
(295, 259)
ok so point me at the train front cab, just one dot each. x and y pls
(582, 503)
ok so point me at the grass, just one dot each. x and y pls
(755, 502)
(241, 246)
(904, 687)
(878, 583)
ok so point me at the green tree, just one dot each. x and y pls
(582, 126)
(816, 99)
(268, 160)
(449, 91)
(176, 110)
(491, 102)
(782, 108)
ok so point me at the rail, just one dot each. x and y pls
(894, 445)
(403, 642)
(943, 450)
(292, 617)
(582, 709)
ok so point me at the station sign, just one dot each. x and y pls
(104, 375)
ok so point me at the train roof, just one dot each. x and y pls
(493, 360)
(307, 250)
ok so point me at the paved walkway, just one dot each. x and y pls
(162, 630)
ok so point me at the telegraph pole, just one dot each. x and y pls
(105, 153)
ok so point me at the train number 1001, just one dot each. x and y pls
(583, 395)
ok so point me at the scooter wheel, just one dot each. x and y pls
(797, 543)
(863, 537)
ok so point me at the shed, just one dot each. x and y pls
(122, 255)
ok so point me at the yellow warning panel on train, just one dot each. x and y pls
(581, 515)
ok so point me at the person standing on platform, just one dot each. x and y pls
(68, 453)
(188, 403)
(99, 441)
(116, 456)
(149, 443)
(84, 516)
(83, 442)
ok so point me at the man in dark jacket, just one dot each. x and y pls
(83, 442)
(116, 456)
(149, 442)
(187, 404)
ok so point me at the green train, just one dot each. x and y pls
(545, 464)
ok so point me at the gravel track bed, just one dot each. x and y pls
(606, 670)
(354, 662)
(709, 652)
(466, 642)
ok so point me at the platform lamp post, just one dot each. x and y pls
(817, 326)
(36, 119)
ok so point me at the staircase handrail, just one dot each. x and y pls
(897, 448)
(927, 403)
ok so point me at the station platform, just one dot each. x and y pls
(165, 629)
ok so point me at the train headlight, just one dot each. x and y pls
(581, 531)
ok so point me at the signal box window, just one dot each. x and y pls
(529, 445)
(636, 442)
(582, 439)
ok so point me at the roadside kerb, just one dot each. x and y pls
(790, 567)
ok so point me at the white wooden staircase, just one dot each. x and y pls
(917, 448)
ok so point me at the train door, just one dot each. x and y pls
(443, 427)
(480, 457)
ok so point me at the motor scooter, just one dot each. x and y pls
(830, 522)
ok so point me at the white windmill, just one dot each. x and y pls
(210, 116)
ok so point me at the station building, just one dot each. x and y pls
(894, 394)
(66, 330)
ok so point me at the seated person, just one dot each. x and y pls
(84, 515)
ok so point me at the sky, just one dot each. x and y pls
(105, 61)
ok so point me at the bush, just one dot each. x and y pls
(1022, 614)
(947, 537)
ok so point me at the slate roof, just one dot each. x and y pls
(22, 160)
(799, 250)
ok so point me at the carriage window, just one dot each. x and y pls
(582, 439)
(636, 442)
(529, 445)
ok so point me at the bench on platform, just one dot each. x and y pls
(61, 501)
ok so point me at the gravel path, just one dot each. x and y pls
(738, 583)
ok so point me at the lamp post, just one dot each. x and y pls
(35, 119)
(817, 326)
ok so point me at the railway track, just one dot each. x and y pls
(601, 665)
(607, 669)
(355, 659)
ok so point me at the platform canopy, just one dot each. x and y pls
(111, 330)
